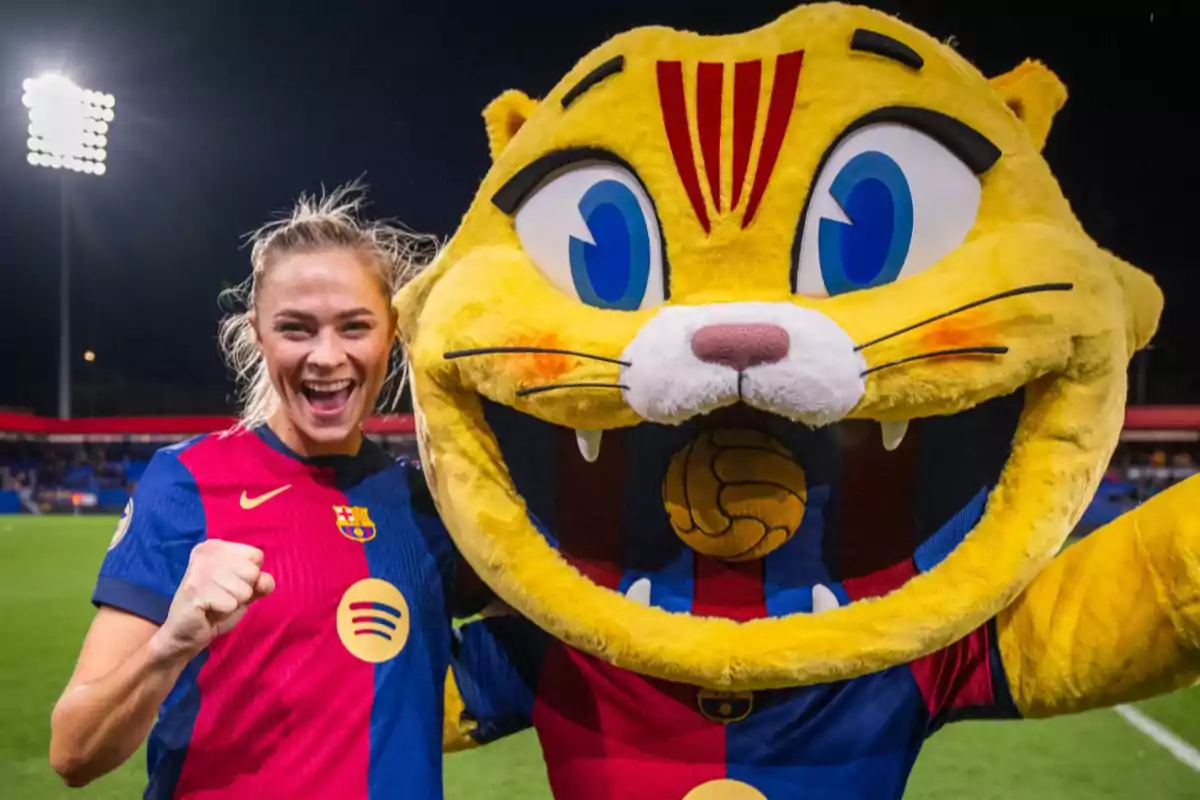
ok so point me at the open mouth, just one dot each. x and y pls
(873, 517)
(328, 398)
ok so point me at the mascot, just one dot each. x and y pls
(767, 374)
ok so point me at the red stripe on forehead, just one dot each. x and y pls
(709, 81)
(675, 120)
(783, 97)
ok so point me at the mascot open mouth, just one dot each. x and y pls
(741, 513)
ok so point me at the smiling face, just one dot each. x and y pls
(792, 327)
(323, 324)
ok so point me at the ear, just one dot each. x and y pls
(252, 319)
(1143, 304)
(504, 116)
(1034, 94)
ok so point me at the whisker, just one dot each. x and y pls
(484, 351)
(1032, 289)
(986, 350)
(550, 387)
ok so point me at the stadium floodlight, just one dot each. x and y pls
(68, 131)
(68, 126)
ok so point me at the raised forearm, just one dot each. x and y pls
(97, 726)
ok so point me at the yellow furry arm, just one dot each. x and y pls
(456, 726)
(1115, 618)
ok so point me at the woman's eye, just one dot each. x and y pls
(889, 202)
(593, 233)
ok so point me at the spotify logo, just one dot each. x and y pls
(372, 620)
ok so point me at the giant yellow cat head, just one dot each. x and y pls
(696, 274)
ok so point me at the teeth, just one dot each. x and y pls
(639, 591)
(822, 599)
(328, 386)
(893, 434)
(589, 444)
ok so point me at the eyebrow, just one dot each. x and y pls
(295, 313)
(605, 70)
(970, 146)
(508, 198)
(865, 41)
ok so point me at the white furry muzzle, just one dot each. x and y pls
(776, 357)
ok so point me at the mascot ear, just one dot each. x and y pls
(1143, 304)
(1035, 95)
(504, 116)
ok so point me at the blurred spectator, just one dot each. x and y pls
(25, 487)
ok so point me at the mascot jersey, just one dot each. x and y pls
(611, 733)
(768, 374)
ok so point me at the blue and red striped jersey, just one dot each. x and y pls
(608, 733)
(332, 686)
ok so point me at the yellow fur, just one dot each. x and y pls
(1068, 352)
(1034, 94)
(456, 728)
(1115, 618)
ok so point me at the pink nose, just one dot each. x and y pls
(740, 345)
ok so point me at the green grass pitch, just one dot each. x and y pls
(48, 565)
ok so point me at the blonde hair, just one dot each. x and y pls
(330, 222)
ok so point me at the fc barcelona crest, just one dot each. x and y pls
(354, 523)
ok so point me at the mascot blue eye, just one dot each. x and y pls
(871, 248)
(592, 232)
(889, 202)
(612, 271)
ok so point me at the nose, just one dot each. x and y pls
(741, 345)
(328, 350)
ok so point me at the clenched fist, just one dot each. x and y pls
(222, 580)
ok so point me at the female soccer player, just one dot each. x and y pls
(273, 609)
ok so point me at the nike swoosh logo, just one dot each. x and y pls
(249, 503)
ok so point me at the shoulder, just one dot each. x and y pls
(168, 468)
(418, 490)
(167, 495)
(149, 552)
(409, 479)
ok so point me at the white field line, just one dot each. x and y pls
(1165, 738)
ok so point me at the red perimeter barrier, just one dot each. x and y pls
(1137, 418)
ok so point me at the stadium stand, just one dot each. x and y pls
(92, 464)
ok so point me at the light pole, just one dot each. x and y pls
(68, 130)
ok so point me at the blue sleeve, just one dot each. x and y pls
(163, 521)
(497, 662)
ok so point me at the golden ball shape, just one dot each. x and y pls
(734, 494)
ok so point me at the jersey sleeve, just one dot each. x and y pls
(496, 663)
(965, 680)
(149, 553)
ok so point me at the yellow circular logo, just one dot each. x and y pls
(725, 789)
(372, 620)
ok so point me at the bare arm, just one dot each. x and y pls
(128, 665)
(107, 709)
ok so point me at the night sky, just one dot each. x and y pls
(227, 110)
